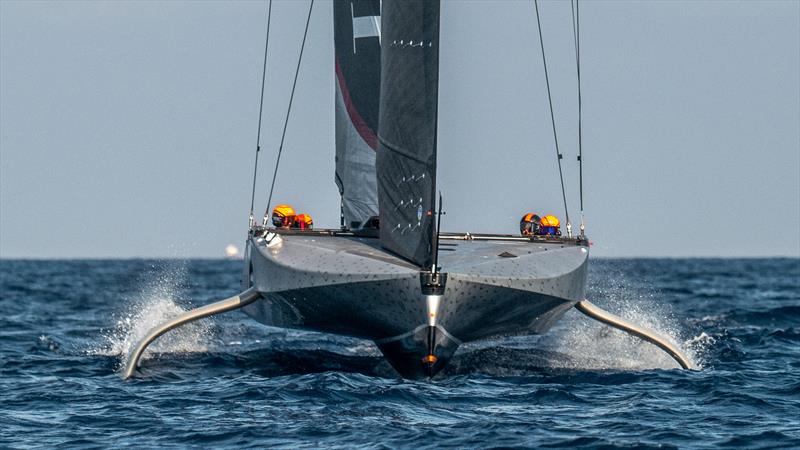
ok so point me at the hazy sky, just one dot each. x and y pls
(128, 128)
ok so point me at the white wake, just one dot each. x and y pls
(155, 304)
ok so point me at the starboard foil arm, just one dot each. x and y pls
(229, 304)
(607, 318)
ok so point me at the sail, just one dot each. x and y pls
(356, 26)
(406, 159)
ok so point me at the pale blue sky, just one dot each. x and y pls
(128, 128)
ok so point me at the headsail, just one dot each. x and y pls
(406, 160)
(358, 75)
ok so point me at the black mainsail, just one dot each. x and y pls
(356, 25)
(406, 159)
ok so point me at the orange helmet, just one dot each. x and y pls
(529, 224)
(550, 221)
(303, 222)
(282, 216)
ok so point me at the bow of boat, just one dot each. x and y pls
(345, 284)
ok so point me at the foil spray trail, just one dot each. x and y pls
(594, 346)
(156, 304)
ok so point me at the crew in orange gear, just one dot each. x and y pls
(283, 216)
(550, 225)
(529, 224)
(303, 222)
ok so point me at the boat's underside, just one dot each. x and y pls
(339, 283)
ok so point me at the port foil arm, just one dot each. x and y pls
(229, 304)
(607, 318)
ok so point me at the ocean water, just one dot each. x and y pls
(228, 382)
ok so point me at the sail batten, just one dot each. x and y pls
(406, 157)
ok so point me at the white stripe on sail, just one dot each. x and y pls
(365, 26)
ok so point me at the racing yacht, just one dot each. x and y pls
(388, 274)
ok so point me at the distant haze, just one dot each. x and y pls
(128, 129)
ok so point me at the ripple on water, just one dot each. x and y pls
(232, 383)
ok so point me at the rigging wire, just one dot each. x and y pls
(260, 113)
(552, 117)
(288, 113)
(576, 31)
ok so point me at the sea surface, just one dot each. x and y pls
(227, 382)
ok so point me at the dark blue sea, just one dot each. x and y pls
(228, 382)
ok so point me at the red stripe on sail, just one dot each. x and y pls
(358, 122)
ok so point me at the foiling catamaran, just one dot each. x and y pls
(389, 274)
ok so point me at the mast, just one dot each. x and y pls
(356, 26)
(406, 159)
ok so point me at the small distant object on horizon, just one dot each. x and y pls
(232, 252)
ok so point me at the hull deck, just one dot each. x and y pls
(340, 283)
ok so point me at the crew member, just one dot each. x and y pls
(550, 226)
(529, 224)
(282, 216)
(303, 222)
